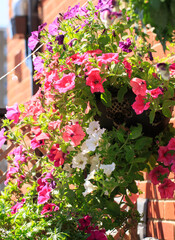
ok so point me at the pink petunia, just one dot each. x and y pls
(128, 67)
(67, 82)
(107, 58)
(157, 172)
(17, 206)
(167, 188)
(139, 106)
(13, 113)
(95, 81)
(44, 194)
(2, 137)
(74, 134)
(138, 86)
(49, 207)
(155, 92)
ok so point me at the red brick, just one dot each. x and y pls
(169, 213)
(155, 209)
(161, 230)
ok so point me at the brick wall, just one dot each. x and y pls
(160, 213)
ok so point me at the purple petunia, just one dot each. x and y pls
(125, 45)
(60, 39)
(72, 12)
(33, 40)
(53, 27)
(38, 63)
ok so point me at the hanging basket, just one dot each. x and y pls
(122, 113)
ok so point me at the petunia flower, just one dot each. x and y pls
(95, 81)
(2, 137)
(33, 40)
(167, 188)
(125, 45)
(139, 106)
(13, 113)
(74, 134)
(38, 63)
(157, 172)
(163, 70)
(67, 82)
(138, 86)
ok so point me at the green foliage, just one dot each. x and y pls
(159, 14)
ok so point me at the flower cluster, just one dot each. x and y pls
(88, 133)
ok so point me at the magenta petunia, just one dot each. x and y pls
(67, 82)
(107, 58)
(2, 137)
(17, 206)
(44, 194)
(139, 106)
(13, 113)
(167, 188)
(157, 172)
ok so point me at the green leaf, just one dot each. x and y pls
(133, 188)
(129, 153)
(113, 208)
(121, 93)
(103, 40)
(166, 108)
(142, 143)
(120, 135)
(152, 116)
(106, 98)
(135, 132)
(139, 160)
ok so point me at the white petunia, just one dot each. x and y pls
(89, 187)
(108, 168)
(84, 148)
(93, 127)
(79, 161)
(95, 162)
(93, 142)
(91, 175)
